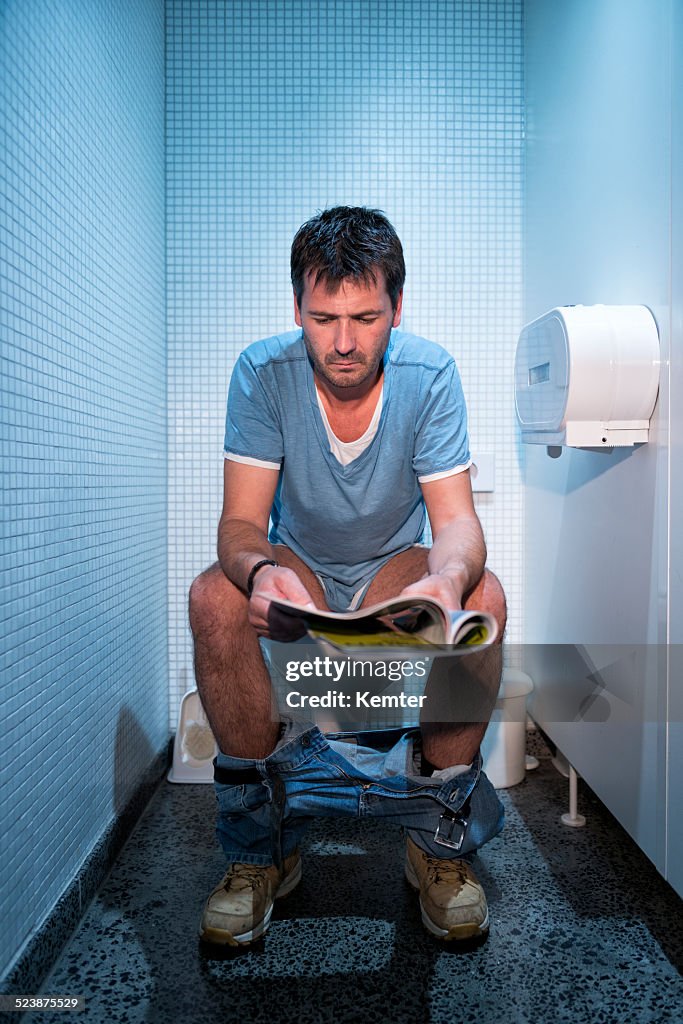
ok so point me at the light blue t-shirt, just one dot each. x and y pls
(344, 522)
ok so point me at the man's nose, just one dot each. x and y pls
(344, 340)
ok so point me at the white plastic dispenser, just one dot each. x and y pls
(587, 376)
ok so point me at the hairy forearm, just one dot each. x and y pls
(459, 552)
(240, 546)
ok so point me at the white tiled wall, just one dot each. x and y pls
(278, 109)
(83, 434)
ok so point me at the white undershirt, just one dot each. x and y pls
(346, 451)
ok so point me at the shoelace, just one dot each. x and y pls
(446, 871)
(249, 875)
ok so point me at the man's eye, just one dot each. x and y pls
(322, 319)
(366, 319)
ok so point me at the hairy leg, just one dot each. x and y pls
(232, 679)
(476, 675)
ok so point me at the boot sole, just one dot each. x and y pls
(457, 932)
(218, 937)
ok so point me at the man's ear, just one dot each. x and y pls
(397, 311)
(297, 312)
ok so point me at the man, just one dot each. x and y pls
(339, 435)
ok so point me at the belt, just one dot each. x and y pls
(450, 831)
(235, 776)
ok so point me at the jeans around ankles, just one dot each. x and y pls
(325, 777)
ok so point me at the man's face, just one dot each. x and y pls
(346, 332)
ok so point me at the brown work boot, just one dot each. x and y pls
(238, 910)
(452, 900)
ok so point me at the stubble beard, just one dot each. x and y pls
(368, 369)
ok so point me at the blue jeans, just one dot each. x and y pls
(309, 775)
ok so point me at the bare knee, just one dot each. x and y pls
(489, 596)
(213, 600)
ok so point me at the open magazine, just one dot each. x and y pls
(395, 626)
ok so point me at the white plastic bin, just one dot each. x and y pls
(504, 745)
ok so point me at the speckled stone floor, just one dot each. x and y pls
(584, 930)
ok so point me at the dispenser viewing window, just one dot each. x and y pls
(587, 376)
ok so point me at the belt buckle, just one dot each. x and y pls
(451, 831)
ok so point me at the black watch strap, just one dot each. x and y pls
(254, 570)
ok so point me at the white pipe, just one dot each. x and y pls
(574, 819)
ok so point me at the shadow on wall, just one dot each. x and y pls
(569, 472)
(133, 754)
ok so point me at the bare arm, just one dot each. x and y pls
(456, 560)
(243, 540)
(248, 493)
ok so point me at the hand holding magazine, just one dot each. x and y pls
(395, 626)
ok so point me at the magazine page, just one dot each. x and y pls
(401, 623)
(407, 621)
(472, 628)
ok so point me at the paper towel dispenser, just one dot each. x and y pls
(587, 376)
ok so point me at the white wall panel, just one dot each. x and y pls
(598, 194)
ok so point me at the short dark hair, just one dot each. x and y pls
(348, 242)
